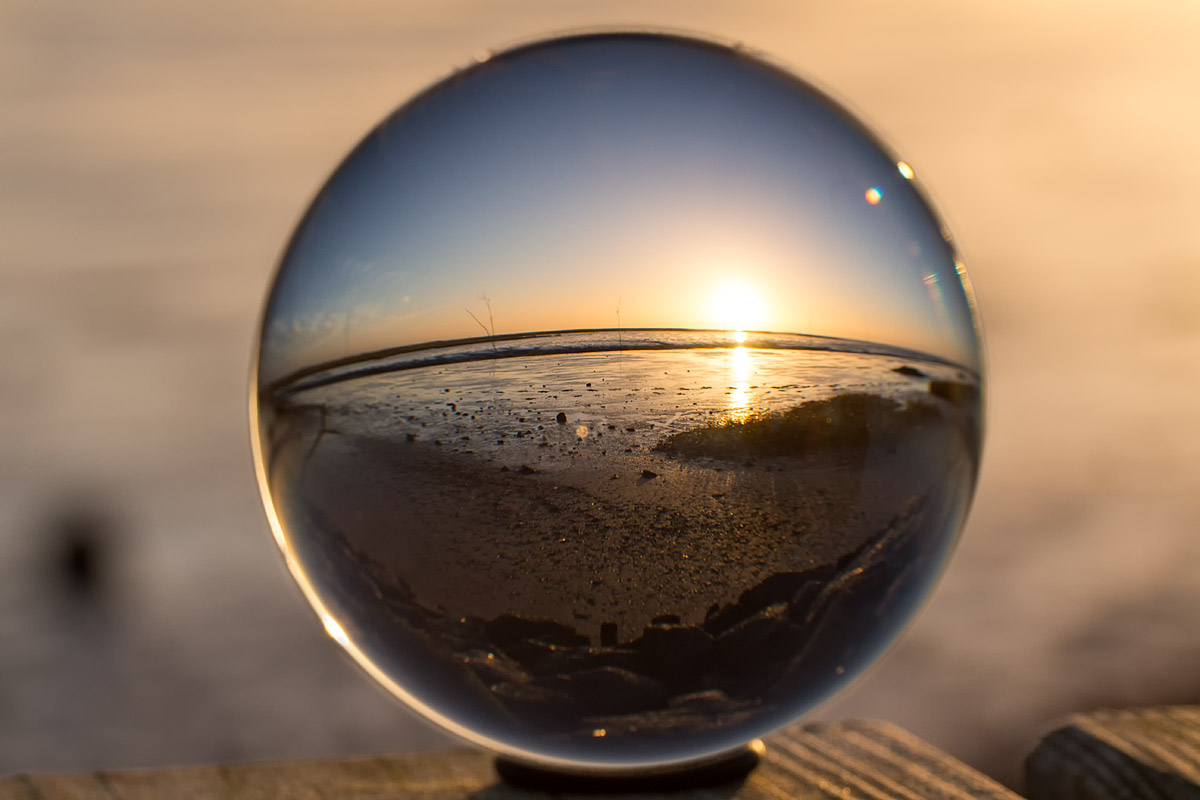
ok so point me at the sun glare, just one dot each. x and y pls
(737, 307)
(335, 630)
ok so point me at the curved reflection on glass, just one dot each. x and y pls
(618, 400)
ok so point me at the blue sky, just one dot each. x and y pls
(686, 183)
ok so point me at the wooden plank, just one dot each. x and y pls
(874, 760)
(1138, 753)
(869, 760)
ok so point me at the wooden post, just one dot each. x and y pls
(1114, 755)
(841, 760)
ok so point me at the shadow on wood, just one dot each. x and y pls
(1137, 753)
(726, 772)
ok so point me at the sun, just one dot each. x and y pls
(736, 306)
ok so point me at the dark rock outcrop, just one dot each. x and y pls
(507, 629)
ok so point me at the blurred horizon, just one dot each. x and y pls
(154, 159)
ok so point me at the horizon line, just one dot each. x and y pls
(876, 348)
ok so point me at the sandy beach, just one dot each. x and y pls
(568, 498)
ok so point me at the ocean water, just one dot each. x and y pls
(621, 557)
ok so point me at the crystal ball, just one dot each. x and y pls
(617, 400)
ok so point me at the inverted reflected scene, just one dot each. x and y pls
(618, 400)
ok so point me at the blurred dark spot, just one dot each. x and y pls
(561, 418)
(81, 541)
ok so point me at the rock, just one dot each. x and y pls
(668, 637)
(765, 644)
(753, 632)
(609, 690)
(647, 475)
(507, 629)
(533, 700)
(708, 701)
(685, 721)
(846, 422)
(794, 588)
(561, 419)
(676, 654)
(493, 668)
(564, 660)
(804, 601)
(529, 652)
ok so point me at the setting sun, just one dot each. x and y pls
(737, 307)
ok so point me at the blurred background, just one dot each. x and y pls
(153, 158)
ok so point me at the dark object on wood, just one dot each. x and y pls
(1139, 753)
(839, 760)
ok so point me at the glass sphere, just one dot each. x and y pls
(618, 400)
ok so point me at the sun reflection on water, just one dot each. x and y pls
(740, 409)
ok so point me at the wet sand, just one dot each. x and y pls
(546, 572)
(592, 520)
(597, 541)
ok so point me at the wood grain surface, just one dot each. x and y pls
(838, 760)
(1137, 753)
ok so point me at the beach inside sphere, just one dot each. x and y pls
(577, 543)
